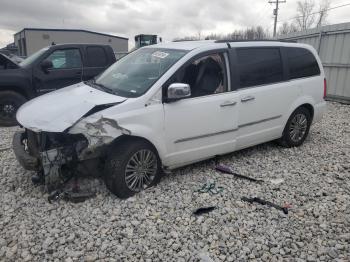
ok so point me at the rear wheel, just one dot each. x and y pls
(133, 166)
(297, 128)
(9, 103)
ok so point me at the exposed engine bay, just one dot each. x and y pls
(56, 157)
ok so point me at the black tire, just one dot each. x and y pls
(10, 101)
(294, 139)
(115, 167)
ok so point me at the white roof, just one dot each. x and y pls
(190, 45)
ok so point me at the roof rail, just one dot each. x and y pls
(260, 40)
(187, 40)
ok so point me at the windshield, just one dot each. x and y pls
(135, 73)
(30, 59)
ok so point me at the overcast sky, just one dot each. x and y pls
(166, 18)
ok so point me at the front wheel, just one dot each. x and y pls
(9, 103)
(131, 167)
(297, 128)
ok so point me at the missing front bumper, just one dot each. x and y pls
(54, 156)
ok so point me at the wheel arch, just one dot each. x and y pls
(286, 142)
(306, 105)
(309, 107)
(306, 102)
(130, 138)
(15, 89)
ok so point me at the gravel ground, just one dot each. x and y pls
(158, 225)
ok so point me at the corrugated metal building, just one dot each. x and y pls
(333, 45)
(30, 40)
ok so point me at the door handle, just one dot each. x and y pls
(228, 103)
(247, 98)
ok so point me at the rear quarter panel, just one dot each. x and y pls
(311, 90)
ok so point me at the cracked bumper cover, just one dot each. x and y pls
(23, 157)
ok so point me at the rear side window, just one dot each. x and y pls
(302, 63)
(259, 66)
(96, 56)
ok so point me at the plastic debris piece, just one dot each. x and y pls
(227, 170)
(203, 210)
(79, 197)
(210, 188)
(277, 181)
(265, 202)
(74, 197)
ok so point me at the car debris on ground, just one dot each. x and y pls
(203, 210)
(227, 170)
(268, 203)
(211, 188)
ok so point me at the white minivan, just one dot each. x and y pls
(169, 105)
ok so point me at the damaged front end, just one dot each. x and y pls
(54, 156)
(58, 156)
(68, 138)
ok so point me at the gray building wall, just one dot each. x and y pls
(333, 45)
(18, 40)
(29, 41)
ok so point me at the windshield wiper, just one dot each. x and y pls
(101, 87)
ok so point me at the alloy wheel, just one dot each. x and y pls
(141, 170)
(298, 127)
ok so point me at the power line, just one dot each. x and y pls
(328, 9)
(275, 12)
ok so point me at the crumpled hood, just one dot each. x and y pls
(59, 110)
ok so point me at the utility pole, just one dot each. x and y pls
(275, 13)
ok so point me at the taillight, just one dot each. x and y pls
(324, 88)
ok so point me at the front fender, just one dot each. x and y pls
(150, 135)
(17, 80)
(103, 131)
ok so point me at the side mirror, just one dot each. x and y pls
(178, 91)
(46, 64)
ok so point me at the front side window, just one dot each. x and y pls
(259, 66)
(205, 75)
(302, 63)
(32, 58)
(65, 59)
(135, 73)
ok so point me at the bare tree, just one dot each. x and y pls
(287, 28)
(308, 16)
(186, 38)
(252, 33)
(305, 14)
(323, 12)
(284, 29)
(199, 33)
(260, 33)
